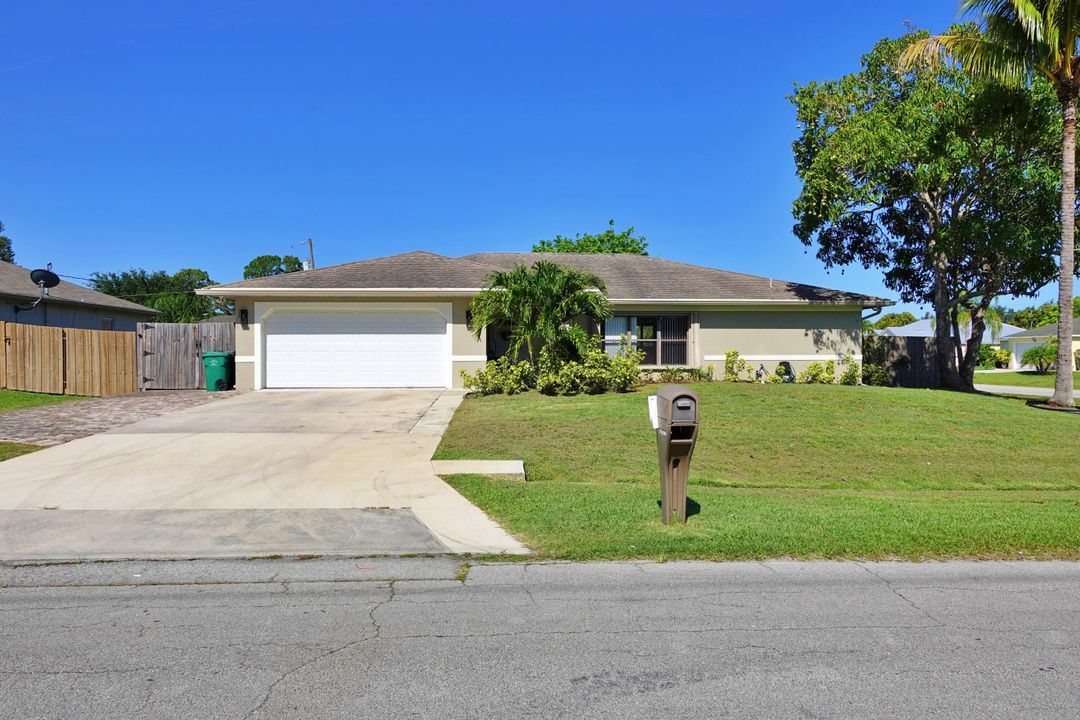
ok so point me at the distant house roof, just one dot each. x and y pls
(15, 285)
(1045, 331)
(628, 278)
(925, 328)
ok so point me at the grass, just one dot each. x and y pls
(1022, 378)
(782, 470)
(9, 450)
(17, 399)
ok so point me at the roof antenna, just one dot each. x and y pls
(44, 279)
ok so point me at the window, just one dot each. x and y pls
(106, 323)
(663, 338)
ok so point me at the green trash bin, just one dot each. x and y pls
(218, 367)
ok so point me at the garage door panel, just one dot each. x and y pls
(356, 349)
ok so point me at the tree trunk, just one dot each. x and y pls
(971, 356)
(1063, 385)
(954, 319)
(943, 347)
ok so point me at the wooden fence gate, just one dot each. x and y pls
(912, 361)
(170, 353)
(66, 361)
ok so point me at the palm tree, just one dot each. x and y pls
(1021, 39)
(539, 303)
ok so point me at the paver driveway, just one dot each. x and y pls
(273, 456)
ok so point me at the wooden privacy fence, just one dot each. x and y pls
(170, 353)
(912, 361)
(66, 361)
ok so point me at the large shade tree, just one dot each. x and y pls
(173, 295)
(267, 265)
(539, 304)
(944, 181)
(1023, 42)
(609, 241)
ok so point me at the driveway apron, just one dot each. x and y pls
(265, 451)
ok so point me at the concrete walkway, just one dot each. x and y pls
(270, 450)
(1018, 390)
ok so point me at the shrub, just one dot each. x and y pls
(597, 373)
(1041, 356)
(501, 376)
(735, 367)
(876, 375)
(624, 371)
(993, 357)
(851, 374)
(679, 374)
(818, 373)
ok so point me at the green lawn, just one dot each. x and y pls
(783, 470)
(1022, 378)
(9, 450)
(16, 399)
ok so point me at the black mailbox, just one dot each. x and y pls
(676, 435)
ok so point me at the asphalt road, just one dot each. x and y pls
(379, 638)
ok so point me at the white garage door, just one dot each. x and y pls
(1019, 348)
(356, 349)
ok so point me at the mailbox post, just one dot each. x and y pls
(676, 434)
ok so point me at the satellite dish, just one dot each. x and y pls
(44, 278)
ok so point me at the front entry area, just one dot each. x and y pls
(356, 348)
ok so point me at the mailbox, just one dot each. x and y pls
(676, 434)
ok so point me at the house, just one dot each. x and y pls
(1018, 343)
(404, 321)
(925, 328)
(66, 305)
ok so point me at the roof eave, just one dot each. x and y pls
(871, 302)
(337, 292)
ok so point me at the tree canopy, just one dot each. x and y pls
(894, 319)
(172, 295)
(1038, 315)
(1023, 43)
(539, 304)
(267, 265)
(946, 182)
(7, 252)
(608, 241)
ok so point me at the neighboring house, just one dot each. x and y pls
(66, 305)
(925, 328)
(403, 320)
(1018, 343)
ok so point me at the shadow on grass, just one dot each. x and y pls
(693, 507)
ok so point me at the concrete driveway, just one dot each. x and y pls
(207, 480)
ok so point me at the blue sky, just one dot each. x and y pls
(201, 134)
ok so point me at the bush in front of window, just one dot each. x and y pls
(594, 373)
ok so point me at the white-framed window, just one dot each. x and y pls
(663, 338)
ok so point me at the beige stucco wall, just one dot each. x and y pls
(765, 334)
(468, 352)
(768, 336)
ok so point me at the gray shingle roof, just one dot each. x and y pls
(638, 277)
(628, 277)
(409, 270)
(1050, 330)
(15, 284)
